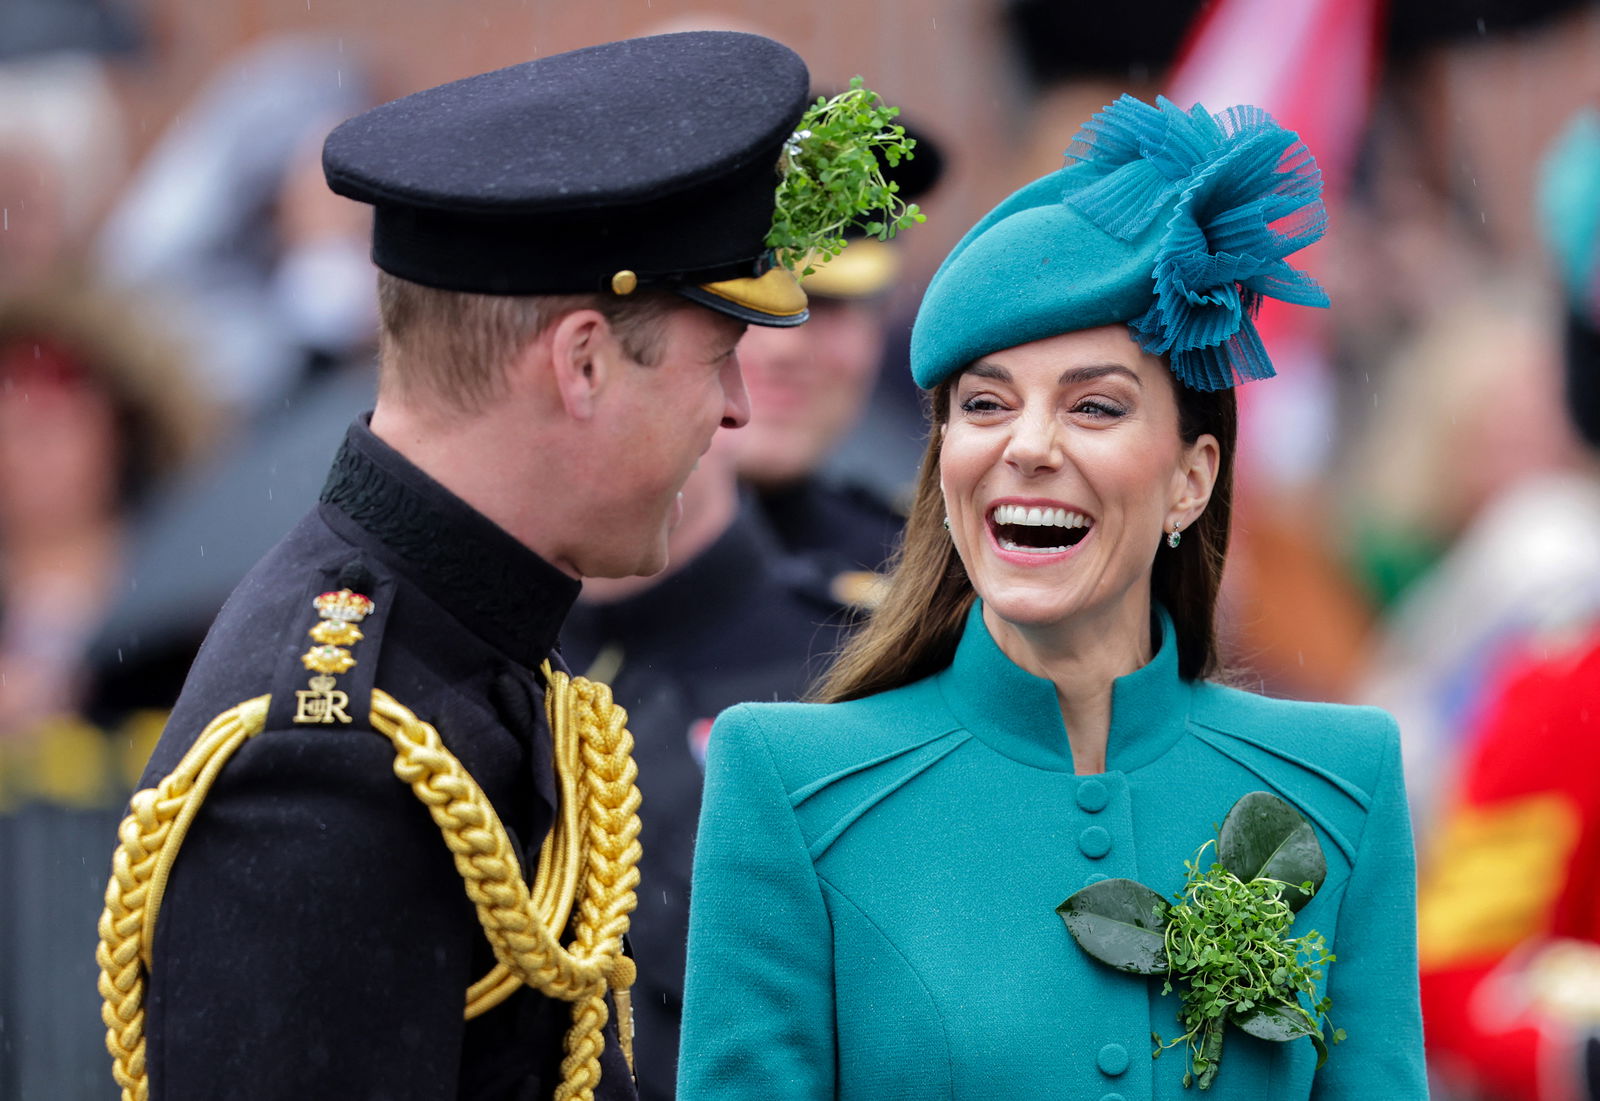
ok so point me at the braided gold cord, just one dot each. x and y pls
(587, 866)
(610, 865)
(555, 885)
(147, 843)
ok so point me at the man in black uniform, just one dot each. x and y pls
(733, 618)
(550, 237)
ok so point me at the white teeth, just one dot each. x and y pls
(1007, 544)
(1035, 517)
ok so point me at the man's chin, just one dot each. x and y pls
(645, 564)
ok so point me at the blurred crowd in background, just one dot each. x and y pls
(187, 323)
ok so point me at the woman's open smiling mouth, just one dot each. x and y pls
(1037, 530)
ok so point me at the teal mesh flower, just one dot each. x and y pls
(1239, 194)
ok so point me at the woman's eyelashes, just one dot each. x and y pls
(1102, 408)
(1095, 408)
(981, 403)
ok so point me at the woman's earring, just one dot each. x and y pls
(947, 523)
(1176, 537)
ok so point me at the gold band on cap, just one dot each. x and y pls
(777, 293)
(865, 268)
(624, 282)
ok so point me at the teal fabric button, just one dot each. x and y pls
(1092, 878)
(1095, 842)
(1112, 1097)
(1113, 1060)
(1093, 796)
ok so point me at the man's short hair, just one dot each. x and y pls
(455, 346)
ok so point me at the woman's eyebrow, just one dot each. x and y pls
(985, 369)
(1094, 371)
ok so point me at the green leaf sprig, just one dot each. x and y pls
(831, 178)
(1224, 941)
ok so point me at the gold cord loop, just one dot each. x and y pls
(587, 873)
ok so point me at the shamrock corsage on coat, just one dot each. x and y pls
(1223, 940)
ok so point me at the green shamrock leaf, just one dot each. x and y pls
(1121, 923)
(1265, 838)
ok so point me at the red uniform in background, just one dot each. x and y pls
(1509, 927)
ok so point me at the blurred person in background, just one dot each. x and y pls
(1440, 229)
(1509, 926)
(735, 617)
(812, 385)
(95, 411)
(1071, 59)
(63, 141)
(1464, 513)
(228, 226)
(61, 152)
(1468, 460)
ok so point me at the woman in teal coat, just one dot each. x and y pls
(1033, 710)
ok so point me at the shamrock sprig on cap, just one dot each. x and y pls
(831, 178)
(1223, 940)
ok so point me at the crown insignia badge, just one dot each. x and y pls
(344, 605)
(340, 610)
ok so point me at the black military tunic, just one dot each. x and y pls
(845, 527)
(315, 939)
(742, 621)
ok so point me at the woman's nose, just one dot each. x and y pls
(1035, 444)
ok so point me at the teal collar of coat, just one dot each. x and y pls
(1015, 713)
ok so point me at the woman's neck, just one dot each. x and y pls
(1081, 657)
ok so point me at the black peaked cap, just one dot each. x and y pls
(656, 156)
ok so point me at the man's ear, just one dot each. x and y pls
(580, 343)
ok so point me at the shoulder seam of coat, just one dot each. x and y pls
(826, 839)
(1217, 739)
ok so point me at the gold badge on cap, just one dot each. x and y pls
(335, 631)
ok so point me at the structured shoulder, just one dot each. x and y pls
(262, 642)
(1349, 743)
(810, 741)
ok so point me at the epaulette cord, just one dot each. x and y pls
(587, 874)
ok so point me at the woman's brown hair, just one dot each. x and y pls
(913, 632)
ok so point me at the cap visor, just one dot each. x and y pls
(774, 299)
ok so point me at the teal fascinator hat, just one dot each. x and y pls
(1175, 222)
